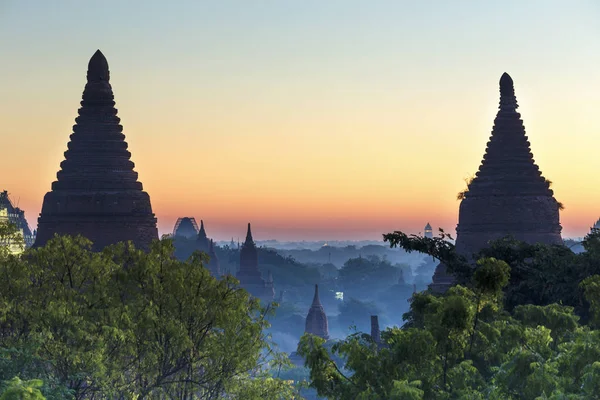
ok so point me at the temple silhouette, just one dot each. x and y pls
(97, 193)
(202, 239)
(249, 276)
(508, 195)
(186, 227)
(316, 320)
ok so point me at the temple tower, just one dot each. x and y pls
(428, 231)
(249, 275)
(316, 320)
(213, 264)
(508, 196)
(202, 239)
(186, 227)
(375, 332)
(97, 193)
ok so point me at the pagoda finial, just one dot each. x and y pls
(316, 299)
(98, 68)
(508, 101)
(249, 234)
(211, 248)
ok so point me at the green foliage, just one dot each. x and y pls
(16, 389)
(465, 345)
(124, 323)
(11, 240)
(355, 313)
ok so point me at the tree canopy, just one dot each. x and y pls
(125, 324)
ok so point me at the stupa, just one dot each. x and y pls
(508, 195)
(186, 227)
(316, 320)
(213, 264)
(428, 231)
(97, 193)
(249, 275)
(202, 239)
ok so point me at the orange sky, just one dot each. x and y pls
(310, 127)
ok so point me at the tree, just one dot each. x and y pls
(125, 323)
(16, 389)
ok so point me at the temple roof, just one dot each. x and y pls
(428, 227)
(249, 235)
(202, 238)
(186, 227)
(508, 167)
(316, 320)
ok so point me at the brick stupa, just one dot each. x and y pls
(316, 320)
(97, 193)
(249, 276)
(508, 196)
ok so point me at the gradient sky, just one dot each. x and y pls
(313, 119)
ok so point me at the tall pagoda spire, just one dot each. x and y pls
(97, 193)
(249, 235)
(202, 239)
(249, 256)
(249, 276)
(316, 320)
(508, 195)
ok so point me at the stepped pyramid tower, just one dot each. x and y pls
(249, 275)
(202, 239)
(213, 264)
(508, 196)
(97, 193)
(316, 320)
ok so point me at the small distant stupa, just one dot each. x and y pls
(249, 275)
(508, 196)
(428, 232)
(186, 227)
(316, 320)
(14, 215)
(97, 193)
(213, 264)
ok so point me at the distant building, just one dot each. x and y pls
(249, 276)
(186, 227)
(316, 320)
(202, 239)
(596, 226)
(508, 196)
(428, 233)
(213, 264)
(11, 214)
